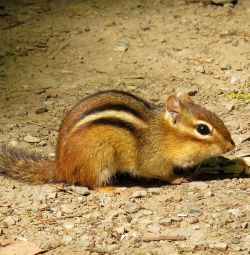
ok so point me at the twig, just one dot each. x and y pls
(39, 125)
(134, 77)
(160, 238)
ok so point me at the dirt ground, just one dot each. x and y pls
(53, 53)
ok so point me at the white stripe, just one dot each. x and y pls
(110, 114)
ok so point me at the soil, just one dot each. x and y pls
(53, 53)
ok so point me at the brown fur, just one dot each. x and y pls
(139, 140)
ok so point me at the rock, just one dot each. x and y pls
(198, 185)
(121, 45)
(120, 230)
(225, 67)
(66, 209)
(236, 212)
(199, 69)
(154, 227)
(67, 239)
(84, 191)
(21, 112)
(230, 105)
(237, 77)
(31, 139)
(41, 110)
(195, 212)
(131, 207)
(85, 241)
(222, 1)
(235, 240)
(246, 239)
(13, 143)
(220, 246)
(10, 221)
(52, 195)
(139, 194)
(165, 222)
(68, 225)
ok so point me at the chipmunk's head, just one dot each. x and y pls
(199, 134)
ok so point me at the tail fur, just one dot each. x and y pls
(27, 166)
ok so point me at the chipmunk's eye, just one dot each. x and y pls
(203, 129)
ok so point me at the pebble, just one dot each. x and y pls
(225, 67)
(198, 185)
(154, 227)
(85, 241)
(10, 221)
(195, 212)
(131, 207)
(222, 1)
(235, 240)
(220, 246)
(68, 225)
(41, 110)
(21, 112)
(236, 212)
(66, 209)
(139, 194)
(165, 222)
(52, 195)
(31, 139)
(84, 191)
(13, 143)
(67, 239)
(121, 45)
(120, 230)
(200, 69)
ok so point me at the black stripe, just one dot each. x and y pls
(115, 122)
(116, 107)
(139, 99)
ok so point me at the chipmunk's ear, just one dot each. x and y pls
(185, 98)
(173, 109)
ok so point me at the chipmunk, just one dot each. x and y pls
(115, 131)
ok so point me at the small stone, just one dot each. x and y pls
(52, 195)
(246, 239)
(121, 45)
(198, 185)
(236, 212)
(41, 110)
(13, 143)
(221, 246)
(85, 241)
(68, 225)
(154, 227)
(120, 230)
(200, 69)
(230, 106)
(66, 209)
(21, 112)
(235, 240)
(195, 212)
(31, 139)
(84, 191)
(225, 67)
(10, 221)
(131, 207)
(67, 239)
(139, 194)
(244, 225)
(193, 220)
(165, 222)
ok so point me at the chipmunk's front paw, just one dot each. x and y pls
(179, 180)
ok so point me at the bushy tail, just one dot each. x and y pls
(26, 166)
